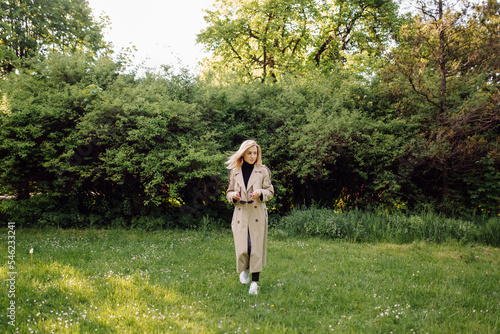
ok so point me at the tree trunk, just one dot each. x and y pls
(442, 58)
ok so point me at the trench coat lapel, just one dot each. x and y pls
(254, 177)
(239, 178)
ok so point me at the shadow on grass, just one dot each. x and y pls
(60, 298)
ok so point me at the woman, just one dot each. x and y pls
(249, 189)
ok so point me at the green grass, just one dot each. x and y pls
(112, 281)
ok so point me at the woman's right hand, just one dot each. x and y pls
(236, 196)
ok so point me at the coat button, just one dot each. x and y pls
(238, 221)
(255, 206)
(256, 220)
(239, 209)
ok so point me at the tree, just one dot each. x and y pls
(33, 27)
(441, 47)
(257, 40)
(353, 26)
(448, 58)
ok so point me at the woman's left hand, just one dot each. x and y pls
(256, 194)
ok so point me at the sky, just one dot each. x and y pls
(163, 31)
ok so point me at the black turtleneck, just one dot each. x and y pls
(246, 169)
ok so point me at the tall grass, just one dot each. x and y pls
(115, 281)
(369, 226)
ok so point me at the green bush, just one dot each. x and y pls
(29, 212)
(83, 145)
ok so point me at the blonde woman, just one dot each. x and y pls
(249, 189)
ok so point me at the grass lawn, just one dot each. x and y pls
(112, 281)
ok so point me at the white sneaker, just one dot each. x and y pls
(253, 288)
(244, 277)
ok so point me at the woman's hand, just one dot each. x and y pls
(236, 196)
(256, 194)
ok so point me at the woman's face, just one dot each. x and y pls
(250, 155)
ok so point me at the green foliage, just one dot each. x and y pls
(262, 40)
(104, 144)
(28, 212)
(484, 187)
(452, 88)
(148, 135)
(318, 132)
(36, 27)
(111, 146)
(84, 144)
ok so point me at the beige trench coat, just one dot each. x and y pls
(250, 218)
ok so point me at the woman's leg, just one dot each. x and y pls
(249, 249)
(255, 276)
(249, 244)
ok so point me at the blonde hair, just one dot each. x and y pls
(236, 160)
